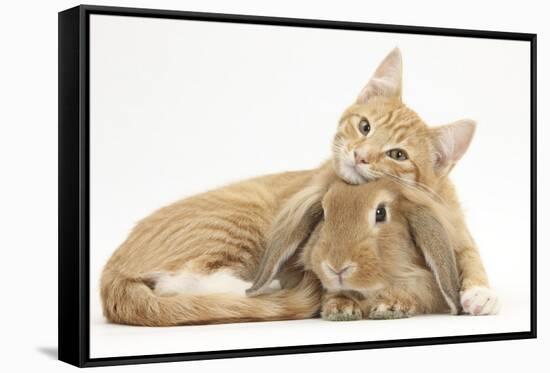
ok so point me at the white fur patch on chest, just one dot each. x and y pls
(194, 283)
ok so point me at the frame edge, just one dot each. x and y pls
(533, 52)
(305, 22)
(70, 349)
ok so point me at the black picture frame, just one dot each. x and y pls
(73, 250)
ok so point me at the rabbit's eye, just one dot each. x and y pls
(397, 154)
(380, 214)
(364, 126)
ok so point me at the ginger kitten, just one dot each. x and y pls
(379, 136)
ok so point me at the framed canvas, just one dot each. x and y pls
(234, 186)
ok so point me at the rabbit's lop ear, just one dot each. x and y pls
(291, 229)
(433, 240)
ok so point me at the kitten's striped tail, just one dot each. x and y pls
(131, 301)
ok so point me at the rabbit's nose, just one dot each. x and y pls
(340, 271)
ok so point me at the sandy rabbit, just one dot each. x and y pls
(382, 251)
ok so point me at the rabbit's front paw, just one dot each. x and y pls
(391, 310)
(480, 300)
(341, 309)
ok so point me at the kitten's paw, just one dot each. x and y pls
(391, 310)
(480, 300)
(341, 309)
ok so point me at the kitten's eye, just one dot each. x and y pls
(364, 126)
(380, 214)
(397, 154)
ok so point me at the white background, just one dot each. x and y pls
(29, 192)
(173, 114)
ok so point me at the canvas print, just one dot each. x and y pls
(259, 186)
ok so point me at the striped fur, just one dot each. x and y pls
(218, 231)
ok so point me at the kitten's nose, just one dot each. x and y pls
(359, 158)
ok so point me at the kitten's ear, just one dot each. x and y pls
(387, 79)
(451, 142)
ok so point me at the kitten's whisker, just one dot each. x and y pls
(414, 185)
